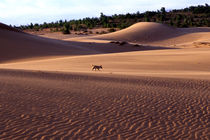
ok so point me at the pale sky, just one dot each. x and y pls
(23, 12)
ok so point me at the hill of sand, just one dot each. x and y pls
(49, 91)
(142, 32)
(149, 33)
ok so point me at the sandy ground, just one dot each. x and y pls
(40, 105)
(48, 90)
(177, 63)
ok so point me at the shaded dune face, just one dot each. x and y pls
(39, 105)
(16, 45)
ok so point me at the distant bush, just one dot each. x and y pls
(65, 31)
(102, 32)
(112, 30)
(66, 28)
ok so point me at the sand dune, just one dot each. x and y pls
(149, 33)
(142, 32)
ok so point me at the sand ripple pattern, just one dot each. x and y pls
(41, 105)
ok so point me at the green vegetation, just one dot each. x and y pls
(66, 28)
(194, 16)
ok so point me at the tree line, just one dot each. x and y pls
(194, 16)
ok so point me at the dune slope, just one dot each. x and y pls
(142, 32)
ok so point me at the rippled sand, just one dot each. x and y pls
(40, 105)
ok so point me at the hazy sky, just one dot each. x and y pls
(18, 12)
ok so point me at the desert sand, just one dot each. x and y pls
(158, 89)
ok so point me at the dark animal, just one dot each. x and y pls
(96, 67)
